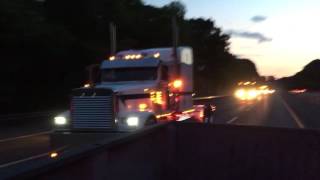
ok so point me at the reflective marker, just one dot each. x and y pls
(156, 55)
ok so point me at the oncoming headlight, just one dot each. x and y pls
(133, 121)
(240, 93)
(60, 120)
(252, 94)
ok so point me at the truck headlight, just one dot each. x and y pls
(133, 121)
(60, 120)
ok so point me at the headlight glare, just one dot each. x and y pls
(240, 93)
(133, 121)
(60, 120)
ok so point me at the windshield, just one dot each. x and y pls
(129, 74)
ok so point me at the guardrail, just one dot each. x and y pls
(209, 97)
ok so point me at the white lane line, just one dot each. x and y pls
(31, 158)
(232, 120)
(23, 160)
(293, 114)
(25, 136)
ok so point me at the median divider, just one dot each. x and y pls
(224, 102)
(102, 151)
(208, 97)
(186, 151)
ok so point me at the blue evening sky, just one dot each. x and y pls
(281, 41)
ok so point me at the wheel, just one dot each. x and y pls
(151, 121)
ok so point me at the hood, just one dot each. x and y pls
(128, 87)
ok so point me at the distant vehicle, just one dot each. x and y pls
(297, 91)
(137, 88)
(251, 91)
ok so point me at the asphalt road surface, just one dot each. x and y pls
(19, 144)
(278, 110)
(273, 111)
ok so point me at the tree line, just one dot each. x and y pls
(308, 78)
(46, 45)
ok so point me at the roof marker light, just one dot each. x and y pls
(138, 56)
(156, 55)
(127, 57)
(132, 56)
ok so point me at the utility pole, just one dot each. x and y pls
(94, 68)
(175, 42)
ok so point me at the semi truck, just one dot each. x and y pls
(137, 88)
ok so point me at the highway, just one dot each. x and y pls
(19, 144)
(278, 110)
(272, 111)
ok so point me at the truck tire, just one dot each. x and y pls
(151, 121)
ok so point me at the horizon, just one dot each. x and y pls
(265, 32)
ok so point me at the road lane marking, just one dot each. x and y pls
(31, 158)
(232, 120)
(293, 114)
(25, 136)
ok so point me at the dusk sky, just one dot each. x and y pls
(280, 36)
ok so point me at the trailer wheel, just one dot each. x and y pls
(151, 121)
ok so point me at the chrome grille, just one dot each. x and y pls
(92, 112)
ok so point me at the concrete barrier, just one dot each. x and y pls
(191, 151)
(99, 160)
(224, 152)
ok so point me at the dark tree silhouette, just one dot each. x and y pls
(308, 78)
(46, 46)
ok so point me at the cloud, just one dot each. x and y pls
(250, 35)
(258, 19)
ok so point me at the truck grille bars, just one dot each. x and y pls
(92, 110)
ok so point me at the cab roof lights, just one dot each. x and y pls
(136, 56)
(156, 55)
